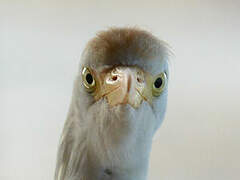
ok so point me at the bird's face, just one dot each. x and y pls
(123, 85)
(128, 98)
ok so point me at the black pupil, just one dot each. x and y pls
(89, 78)
(158, 82)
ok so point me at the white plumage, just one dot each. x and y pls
(105, 136)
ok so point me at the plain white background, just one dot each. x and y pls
(40, 47)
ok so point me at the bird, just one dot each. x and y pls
(118, 103)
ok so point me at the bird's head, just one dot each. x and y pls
(122, 81)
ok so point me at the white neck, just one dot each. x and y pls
(125, 157)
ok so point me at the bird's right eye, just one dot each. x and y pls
(88, 80)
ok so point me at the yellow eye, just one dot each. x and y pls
(88, 80)
(159, 83)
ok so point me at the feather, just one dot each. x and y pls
(100, 142)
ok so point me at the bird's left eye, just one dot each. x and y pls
(88, 80)
(159, 83)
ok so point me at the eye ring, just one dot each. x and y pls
(159, 84)
(88, 80)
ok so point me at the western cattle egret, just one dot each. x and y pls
(119, 101)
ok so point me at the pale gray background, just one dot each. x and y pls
(40, 46)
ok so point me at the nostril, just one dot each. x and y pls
(114, 78)
(140, 80)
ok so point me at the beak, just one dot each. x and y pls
(125, 85)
